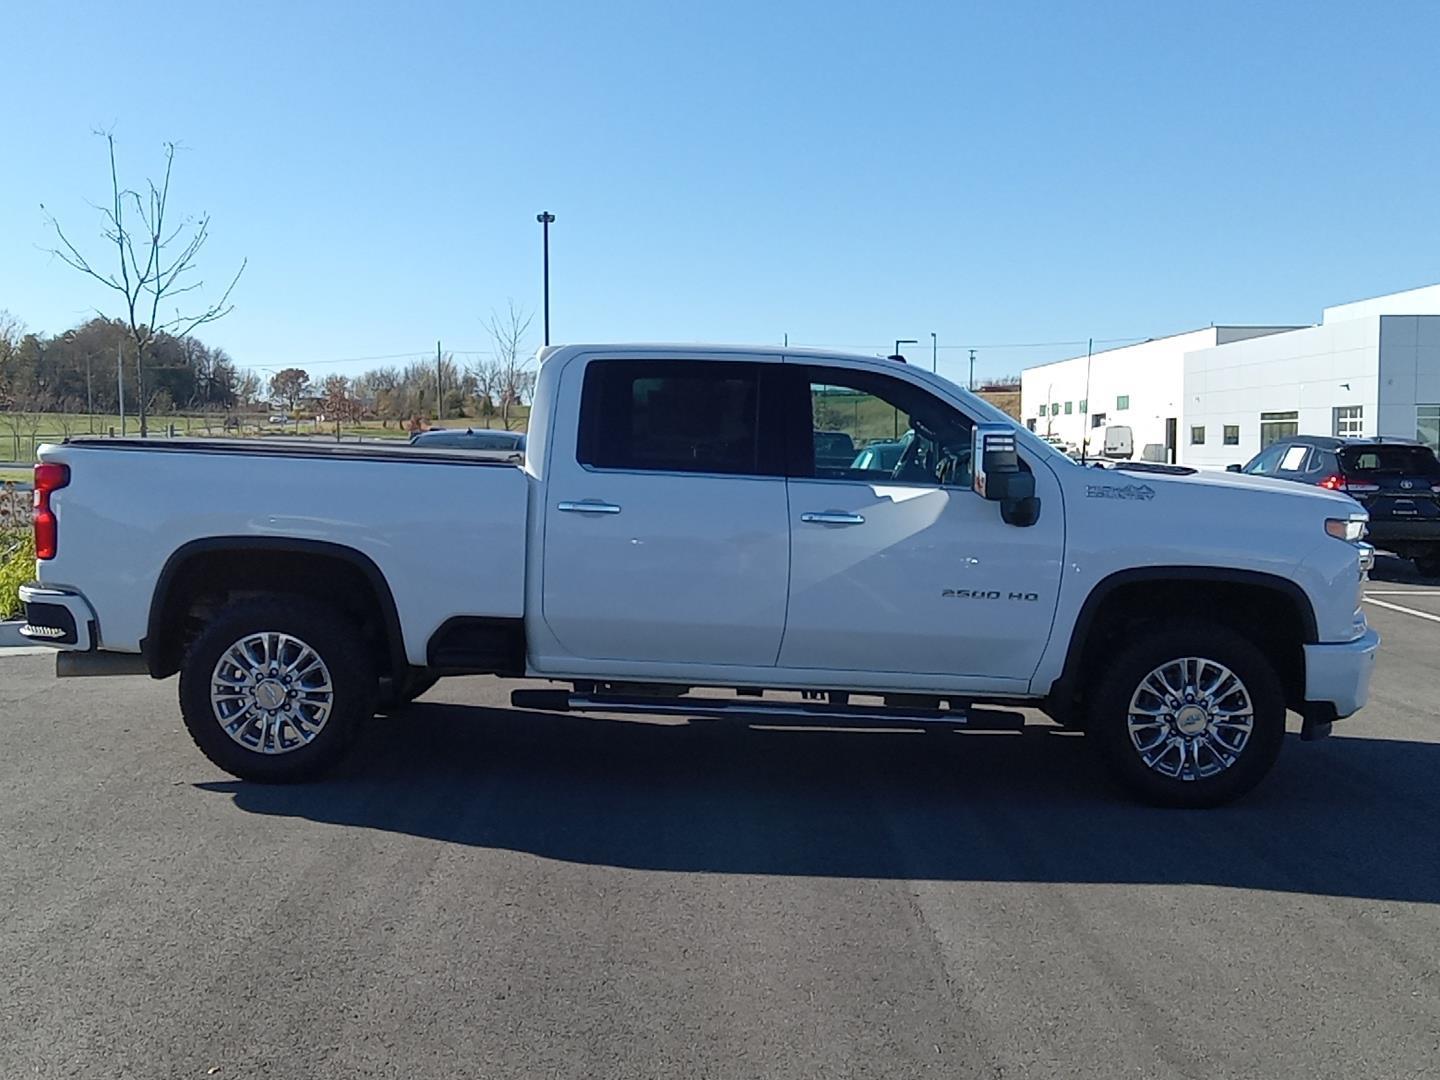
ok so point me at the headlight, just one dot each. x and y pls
(1349, 529)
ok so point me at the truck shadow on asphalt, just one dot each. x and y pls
(1348, 817)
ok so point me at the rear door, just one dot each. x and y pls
(1394, 482)
(905, 569)
(666, 531)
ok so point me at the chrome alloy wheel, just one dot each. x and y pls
(1190, 718)
(271, 692)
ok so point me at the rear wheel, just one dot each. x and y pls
(274, 688)
(1189, 716)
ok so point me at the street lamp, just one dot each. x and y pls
(545, 218)
(898, 343)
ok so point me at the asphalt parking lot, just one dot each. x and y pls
(485, 893)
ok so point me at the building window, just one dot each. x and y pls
(1349, 421)
(1030, 424)
(1275, 426)
(1427, 426)
(1197, 435)
(1042, 410)
(1067, 407)
(1232, 434)
(1122, 402)
(1083, 403)
(1097, 420)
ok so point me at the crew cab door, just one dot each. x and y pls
(905, 569)
(666, 534)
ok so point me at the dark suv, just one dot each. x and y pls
(1396, 480)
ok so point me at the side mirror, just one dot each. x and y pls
(1232, 468)
(999, 476)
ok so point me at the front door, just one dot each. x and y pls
(896, 564)
(666, 531)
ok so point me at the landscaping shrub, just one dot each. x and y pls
(17, 566)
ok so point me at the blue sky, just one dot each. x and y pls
(846, 174)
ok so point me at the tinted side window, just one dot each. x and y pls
(679, 416)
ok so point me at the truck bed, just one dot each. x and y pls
(445, 530)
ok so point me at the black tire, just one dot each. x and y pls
(1109, 711)
(1428, 565)
(340, 649)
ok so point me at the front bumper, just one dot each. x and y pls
(57, 617)
(1338, 675)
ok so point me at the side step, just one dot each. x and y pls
(716, 707)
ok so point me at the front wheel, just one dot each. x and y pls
(1189, 716)
(274, 688)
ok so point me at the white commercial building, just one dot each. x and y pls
(1129, 397)
(1369, 368)
(1215, 397)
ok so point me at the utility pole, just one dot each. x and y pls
(934, 353)
(89, 396)
(439, 389)
(972, 369)
(120, 382)
(545, 218)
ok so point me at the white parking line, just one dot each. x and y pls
(1402, 592)
(1406, 610)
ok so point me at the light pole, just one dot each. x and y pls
(934, 352)
(898, 343)
(972, 369)
(545, 218)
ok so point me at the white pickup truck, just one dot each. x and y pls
(673, 527)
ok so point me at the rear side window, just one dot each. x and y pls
(696, 416)
(1417, 460)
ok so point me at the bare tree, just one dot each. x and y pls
(512, 378)
(156, 261)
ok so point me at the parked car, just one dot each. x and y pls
(834, 449)
(499, 445)
(1396, 480)
(878, 456)
(675, 529)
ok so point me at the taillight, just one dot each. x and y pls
(1351, 487)
(48, 477)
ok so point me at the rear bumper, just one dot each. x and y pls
(57, 617)
(1338, 676)
(1382, 532)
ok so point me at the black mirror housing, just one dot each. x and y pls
(999, 475)
(1232, 468)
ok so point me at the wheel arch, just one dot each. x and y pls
(238, 563)
(1129, 597)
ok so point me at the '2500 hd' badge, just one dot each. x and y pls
(988, 594)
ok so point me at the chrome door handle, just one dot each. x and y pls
(833, 517)
(588, 506)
